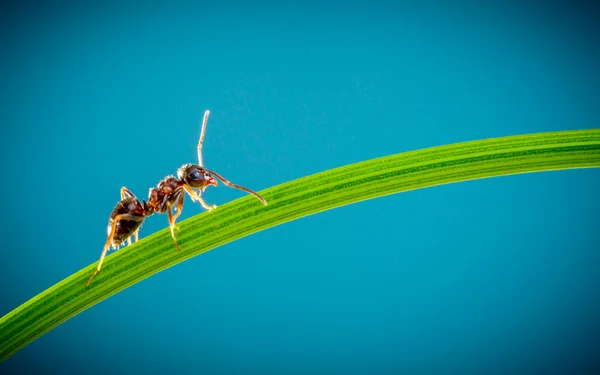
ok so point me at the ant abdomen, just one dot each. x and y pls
(130, 214)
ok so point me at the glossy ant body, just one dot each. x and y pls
(129, 214)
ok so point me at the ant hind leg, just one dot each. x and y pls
(109, 241)
(126, 193)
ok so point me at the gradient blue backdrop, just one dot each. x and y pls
(489, 276)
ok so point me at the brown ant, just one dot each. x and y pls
(129, 214)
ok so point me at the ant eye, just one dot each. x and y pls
(194, 176)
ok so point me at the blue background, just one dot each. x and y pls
(489, 276)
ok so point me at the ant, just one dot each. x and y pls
(129, 214)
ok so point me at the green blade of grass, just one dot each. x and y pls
(289, 201)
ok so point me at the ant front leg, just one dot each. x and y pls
(206, 206)
(195, 197)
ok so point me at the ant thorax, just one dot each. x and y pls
(167, 190)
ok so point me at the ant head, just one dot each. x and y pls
(195, 176)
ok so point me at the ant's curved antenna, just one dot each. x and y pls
(204, 121)
(261, 199)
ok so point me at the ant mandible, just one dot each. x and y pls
(129, 214)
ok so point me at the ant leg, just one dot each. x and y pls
(206, 206)
(204, 121)
(191, 193)
(126, 193)
(196, 197)
(136, 234)
(109, 240)
(178, 207)
(263, 201)
(128, 240)
(172, 227)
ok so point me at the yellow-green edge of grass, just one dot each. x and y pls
(292, 200)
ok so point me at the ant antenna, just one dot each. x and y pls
(204, 121)
(263, 201)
